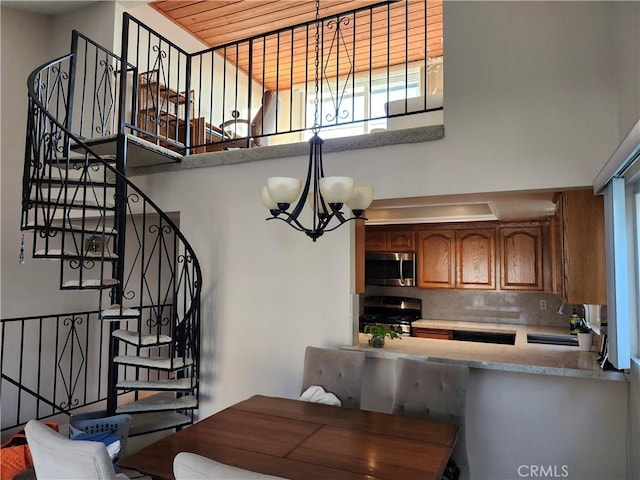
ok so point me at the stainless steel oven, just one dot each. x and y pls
(393, 269)
(396, 313)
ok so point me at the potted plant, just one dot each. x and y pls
(584, 336)
(379, 333)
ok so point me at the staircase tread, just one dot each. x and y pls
(141, 153)
(56, 252)
(133, 338)
(160, 401)
(159, 363)
(113, 311)
(142, 423)
(76, 156)
(91, 283)
(76, 226)
(77, 181)
(164, 384)
(73, 202)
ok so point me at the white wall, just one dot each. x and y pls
(626, 35)
(32, 288)
(95, 21)
(530, 102)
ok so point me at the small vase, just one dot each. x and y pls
(584, 341)
(377, 341)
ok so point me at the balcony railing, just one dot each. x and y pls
(377, 66)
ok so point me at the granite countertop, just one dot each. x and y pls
(522, 357)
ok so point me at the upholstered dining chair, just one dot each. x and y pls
(434, 391)
(56, 457)
(263, 123)
(191, 466)
(337, 371)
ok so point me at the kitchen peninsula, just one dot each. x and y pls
(521, 357)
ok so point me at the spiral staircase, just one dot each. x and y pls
(109, 237)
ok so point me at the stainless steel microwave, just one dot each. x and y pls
(393, 269)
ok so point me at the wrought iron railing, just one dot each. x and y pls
(54, 364)
(374, 64)
(51, 364)
(107, 234)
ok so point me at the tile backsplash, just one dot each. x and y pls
(522, 308)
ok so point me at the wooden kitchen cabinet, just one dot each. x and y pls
(436, 333)
(475, 258)
(521, 258)
(389, 239)
(583, 247)
(456, 257)
(436, 259)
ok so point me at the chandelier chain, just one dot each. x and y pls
(316, 124)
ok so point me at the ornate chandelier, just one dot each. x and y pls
(325, 195)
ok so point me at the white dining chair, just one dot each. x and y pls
(434, 391)
(337, 371)
(191, 466)
(56, 457)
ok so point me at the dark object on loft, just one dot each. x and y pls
(264, 123)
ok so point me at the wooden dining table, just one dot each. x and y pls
(301, 440)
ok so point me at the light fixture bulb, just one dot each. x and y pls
(336, 190)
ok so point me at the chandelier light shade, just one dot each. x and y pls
(360, 199)
(283, 190)
(325, 195)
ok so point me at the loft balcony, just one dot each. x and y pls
(380, 67)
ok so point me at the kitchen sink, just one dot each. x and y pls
(551, 339)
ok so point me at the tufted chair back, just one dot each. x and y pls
(337, 371)
(56, 457)
(435, 391)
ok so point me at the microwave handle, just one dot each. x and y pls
(401, 272)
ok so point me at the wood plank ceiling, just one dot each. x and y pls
(286, 59)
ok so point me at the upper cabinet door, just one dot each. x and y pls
(521, 252)
(436, 259)
(389, 239)
(375, 240)
(401, 240)
(584, 247)
(476, 258)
